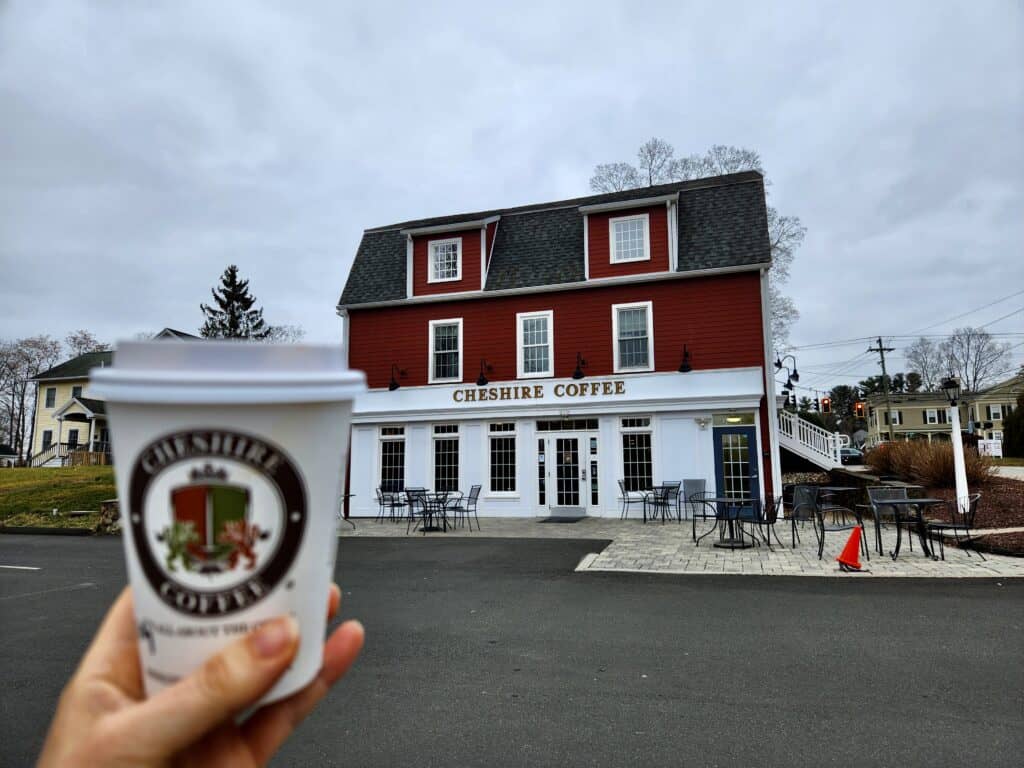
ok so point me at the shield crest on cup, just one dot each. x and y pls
(217, 514)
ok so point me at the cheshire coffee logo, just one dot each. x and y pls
(217, 518)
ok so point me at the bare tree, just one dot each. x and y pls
(21, 360)
(655, 159)
(925, 358)
(658, 164)
(972, 355)
(614, 177)
(81, 341)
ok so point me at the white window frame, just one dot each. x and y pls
(646, 218)
(46, 397)
(513, 433)
(895, 419)
(931, 416)
(649, 306)
(431, 275)
(430, 350)
(381, 439)
(620, 452)
(431, 446)
(997, 434)
(520, 353)
(994, 409)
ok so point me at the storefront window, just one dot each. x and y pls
(446, 457)
(637, 459)
(392, 459)
(503, 457)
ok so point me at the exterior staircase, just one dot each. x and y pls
(809, 441)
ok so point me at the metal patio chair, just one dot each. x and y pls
(691, 487)
(959, 521)
(877, 496)
(629, 497)
(805, 506)
(464, 507)
(658, 500)
(824, 527)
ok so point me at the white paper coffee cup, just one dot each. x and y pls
(230, 463)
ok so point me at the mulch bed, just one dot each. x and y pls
(1001, 506)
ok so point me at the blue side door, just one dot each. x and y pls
(737, 462)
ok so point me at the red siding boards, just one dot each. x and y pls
(470, 264)
(598, 243)
(718, 318)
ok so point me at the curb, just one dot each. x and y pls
(586, 561)
(37, 531)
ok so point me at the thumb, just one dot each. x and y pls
(226, 684)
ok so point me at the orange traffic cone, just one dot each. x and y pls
(849, 558)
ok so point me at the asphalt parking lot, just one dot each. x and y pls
(493, 652)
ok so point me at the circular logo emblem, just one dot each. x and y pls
(217, 517)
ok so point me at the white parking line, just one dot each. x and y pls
(70, 588)
(20, 567)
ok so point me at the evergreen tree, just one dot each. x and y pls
(1013, 430)
(233, 315)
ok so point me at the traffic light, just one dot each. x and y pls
(826, 405)
(817, 405)
(858, 410)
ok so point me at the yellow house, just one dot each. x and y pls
(66, 420)
(914, 416)
(68, 423)
(992, 405)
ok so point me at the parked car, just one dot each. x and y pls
(851, 456)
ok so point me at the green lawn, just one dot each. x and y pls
(1009, 461)
(28, 496)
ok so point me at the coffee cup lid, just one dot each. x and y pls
(225, 372)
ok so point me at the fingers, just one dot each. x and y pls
(114, 653)
(224, 686)
(333, 601)
(268, 729)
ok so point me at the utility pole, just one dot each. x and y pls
(885, 382)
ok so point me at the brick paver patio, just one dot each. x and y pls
(669, 548)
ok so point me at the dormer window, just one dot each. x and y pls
(630, 238)
(445, 260)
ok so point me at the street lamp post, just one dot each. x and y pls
(951, 387)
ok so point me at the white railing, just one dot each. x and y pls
(812, 438)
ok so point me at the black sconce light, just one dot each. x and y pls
(794, 374)
(481, 380)
(580, 365)
(685, 367)
(395, 373)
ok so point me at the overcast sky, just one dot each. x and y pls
(144, 146)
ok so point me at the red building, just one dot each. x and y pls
(549, 351)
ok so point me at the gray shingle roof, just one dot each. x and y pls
(722, 222)
(77, 367)
(96, 406)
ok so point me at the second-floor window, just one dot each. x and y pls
(535, 351)
(445, 350)
(445, 260)
(76, 391)
(51, 397)
(629, 238)
(995, 413)
(633, 336)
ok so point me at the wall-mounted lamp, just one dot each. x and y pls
(733, 419)
(481, 380)
(395, 373)
(685, 367)
(794, 374)
(580, 365)
(703, 421)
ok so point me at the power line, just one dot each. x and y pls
(969, 312)
(1011, 314)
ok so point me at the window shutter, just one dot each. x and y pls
(899, 418)
(924, 416)
(988, 413)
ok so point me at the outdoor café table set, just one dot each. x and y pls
(428, 510)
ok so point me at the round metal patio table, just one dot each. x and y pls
(730, 517)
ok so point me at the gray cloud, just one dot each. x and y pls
(145, 146)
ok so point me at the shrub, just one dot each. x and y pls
(930, 464)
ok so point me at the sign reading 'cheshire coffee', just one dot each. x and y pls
(518, 392)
